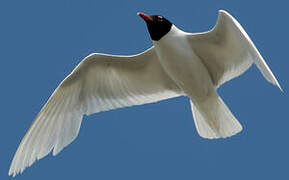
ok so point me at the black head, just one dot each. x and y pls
(158, 26)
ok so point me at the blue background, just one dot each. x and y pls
(42, 41)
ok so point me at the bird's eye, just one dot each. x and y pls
(160, 18)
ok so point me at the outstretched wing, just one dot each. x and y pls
(100, 82)
(227, 51)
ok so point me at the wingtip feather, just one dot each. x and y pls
(279, 86)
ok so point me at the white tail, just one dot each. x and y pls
(213, 119)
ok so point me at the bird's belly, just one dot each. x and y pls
(185, 68)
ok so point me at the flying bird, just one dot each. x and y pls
(178, 64)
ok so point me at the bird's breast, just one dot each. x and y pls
(183, 65)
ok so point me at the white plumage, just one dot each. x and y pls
(192, 64)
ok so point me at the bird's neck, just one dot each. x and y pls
(170, 36)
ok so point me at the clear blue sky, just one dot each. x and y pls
(41, 42)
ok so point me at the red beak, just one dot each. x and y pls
(144, 16)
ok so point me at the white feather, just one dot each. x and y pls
(99, 83)
(227, 51)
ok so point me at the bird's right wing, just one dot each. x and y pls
(227, 51)
(100, 82)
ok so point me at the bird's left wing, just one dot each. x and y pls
(227, 51)
(100, 82)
